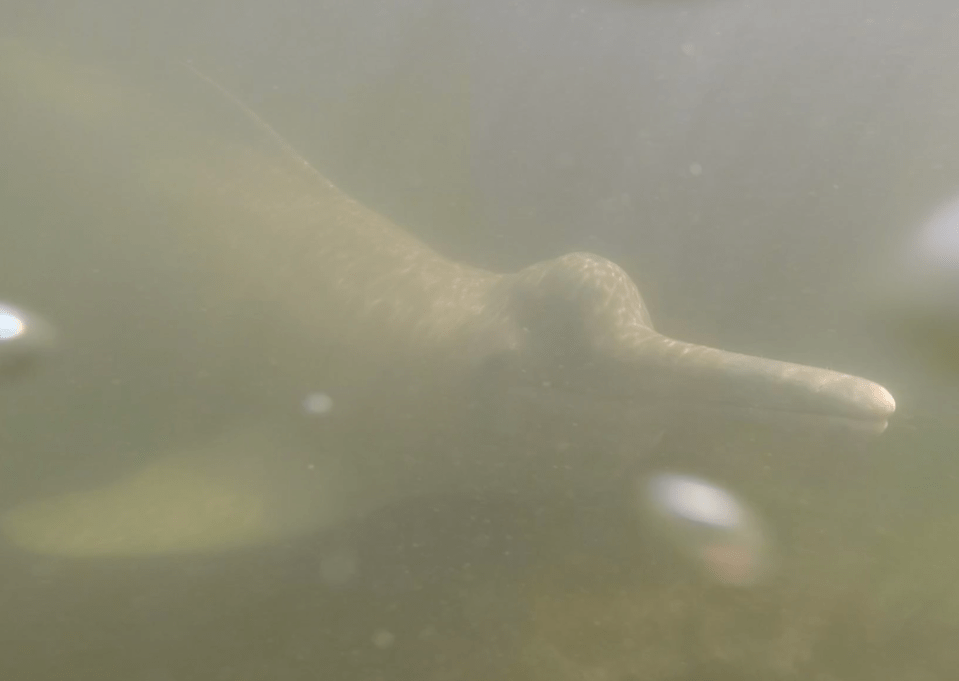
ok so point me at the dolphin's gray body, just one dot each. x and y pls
(204, 284)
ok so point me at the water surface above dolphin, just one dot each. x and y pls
(225, 280)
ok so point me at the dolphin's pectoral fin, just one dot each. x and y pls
(239, 490)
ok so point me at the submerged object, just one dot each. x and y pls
(25, 338)
(710, 526)
(437, 377)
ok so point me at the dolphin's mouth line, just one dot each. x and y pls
(785, 415)
(781, 417)
(723, 406)
(575, 401)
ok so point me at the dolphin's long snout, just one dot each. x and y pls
(716, 377)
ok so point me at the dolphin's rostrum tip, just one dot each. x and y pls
(883, 400)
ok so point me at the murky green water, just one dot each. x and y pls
(213, 565)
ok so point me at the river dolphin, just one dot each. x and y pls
(266, 356)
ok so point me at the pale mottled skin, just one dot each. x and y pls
(442, 375)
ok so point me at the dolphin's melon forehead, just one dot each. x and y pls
(695, 500)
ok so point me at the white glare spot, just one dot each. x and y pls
(383, 639)
(939, 240)
(697, 500)
(317, 403)
(695, 169)
(11, 326)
